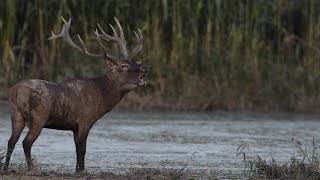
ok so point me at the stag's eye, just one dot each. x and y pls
(124, 66)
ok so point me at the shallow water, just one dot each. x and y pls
(123, 140)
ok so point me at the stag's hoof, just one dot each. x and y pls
(5, 168)
(79, 171)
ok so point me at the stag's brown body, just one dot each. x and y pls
(73, 104)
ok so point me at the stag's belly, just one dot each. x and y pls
(59, 124)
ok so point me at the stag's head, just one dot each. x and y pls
(124, 68)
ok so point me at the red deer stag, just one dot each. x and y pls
(74, 104)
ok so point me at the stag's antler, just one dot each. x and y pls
(138, 48)
(65, 35)
(119, 40)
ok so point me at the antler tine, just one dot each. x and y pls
(99, 40)
(106, 36)
(136, 35)
(118, 44)
(111, 58)
(64, 34)
(114, 38)
(120, 29)
(114, 31)
(120, 40)
(61, 34)
(138, 48)
(84, 48)
(122, 43)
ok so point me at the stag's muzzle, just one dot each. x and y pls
(142, 74)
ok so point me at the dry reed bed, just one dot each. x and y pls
(220, 54)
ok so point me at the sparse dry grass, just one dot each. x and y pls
(2, 158)
(304, 164)
(162, 173)
(132, 174)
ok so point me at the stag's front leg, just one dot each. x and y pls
(80, 139)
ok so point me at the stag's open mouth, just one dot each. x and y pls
(142, 82)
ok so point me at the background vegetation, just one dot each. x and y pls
(205, 54)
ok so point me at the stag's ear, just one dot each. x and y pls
(111, 65)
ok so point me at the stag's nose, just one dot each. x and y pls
(144, 69)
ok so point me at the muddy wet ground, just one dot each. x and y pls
(122, 140)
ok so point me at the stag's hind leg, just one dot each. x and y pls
(18, 124)
(35, 129)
